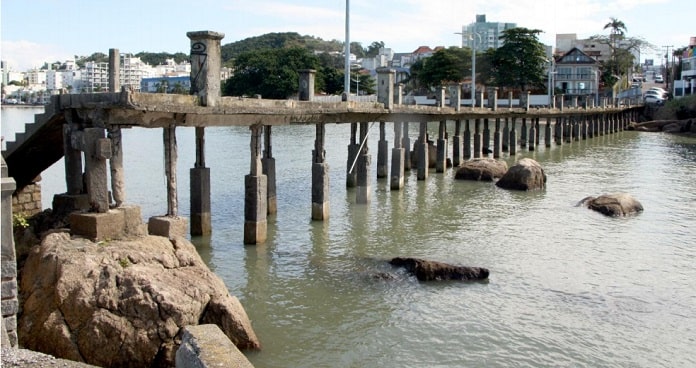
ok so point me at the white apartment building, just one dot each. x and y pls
(483, 35)
(95, 77)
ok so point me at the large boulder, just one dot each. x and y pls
(122, 303)
(617, 204)
(525, 174)
(425, 270)
(482, 169)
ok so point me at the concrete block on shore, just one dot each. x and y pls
(207, 346)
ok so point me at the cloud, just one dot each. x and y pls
(24, 55)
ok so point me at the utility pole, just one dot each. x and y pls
(346, 78)
(667, 71)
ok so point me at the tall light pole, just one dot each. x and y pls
(596, 74)
(550, 81)
(346, 78)
(667, 66)
(473, 64)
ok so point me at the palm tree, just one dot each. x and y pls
(618, 28)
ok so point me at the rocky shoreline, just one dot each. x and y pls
(684, 127)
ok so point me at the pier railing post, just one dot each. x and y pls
(205, 66)
(306, 92)
(385, 87)
(493, 98)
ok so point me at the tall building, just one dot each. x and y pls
(95, 77)
(484, 35)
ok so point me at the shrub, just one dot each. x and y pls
(679, 109)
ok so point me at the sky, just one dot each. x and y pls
(38, 31)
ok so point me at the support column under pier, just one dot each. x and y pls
(320, 177)
(422, 152)
(255, 195)
(478, 140)
(118, 179)
(97, 150)
(441, 161)
(559, 131)
(523, 133)
(363, 187)
(398, 158)
(170, 225)
(467, 140)
(547, 133)
(269, 169)
(200, 189)
(406, 145)
(73, 162)
(457, 143)
(382, 152)
(506, 135)
(497, 139)
(513, 138)
(353, 148)
(485, 144)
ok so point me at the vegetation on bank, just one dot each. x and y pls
(677, 109)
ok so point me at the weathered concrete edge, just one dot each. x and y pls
(204, 346)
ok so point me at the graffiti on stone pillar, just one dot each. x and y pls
(199, 50)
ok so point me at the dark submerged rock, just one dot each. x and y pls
(425, 270)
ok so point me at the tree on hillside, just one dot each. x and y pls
(231, 51)
(97, 57)
(272, 73)
(373, 49)
(446, 65)
(160, 58)
(520, 62)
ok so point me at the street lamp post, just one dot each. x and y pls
(550, 82)
(473, 65)
(346, 78)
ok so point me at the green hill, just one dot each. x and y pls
(277, 40)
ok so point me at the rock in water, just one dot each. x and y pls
(483, 169)
(617, 204)
(526, 174)
(122, 303)
(430, 270)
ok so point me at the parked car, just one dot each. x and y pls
(654, 97)
(658, 79)
(659, 89)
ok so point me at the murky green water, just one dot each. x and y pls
(568, 287)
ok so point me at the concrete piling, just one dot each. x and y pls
(422, 152)
(382, 152)
(363, 186)
(255, 195)
(441, 153)
(478, 139)
(397, 163)
(320, 177)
